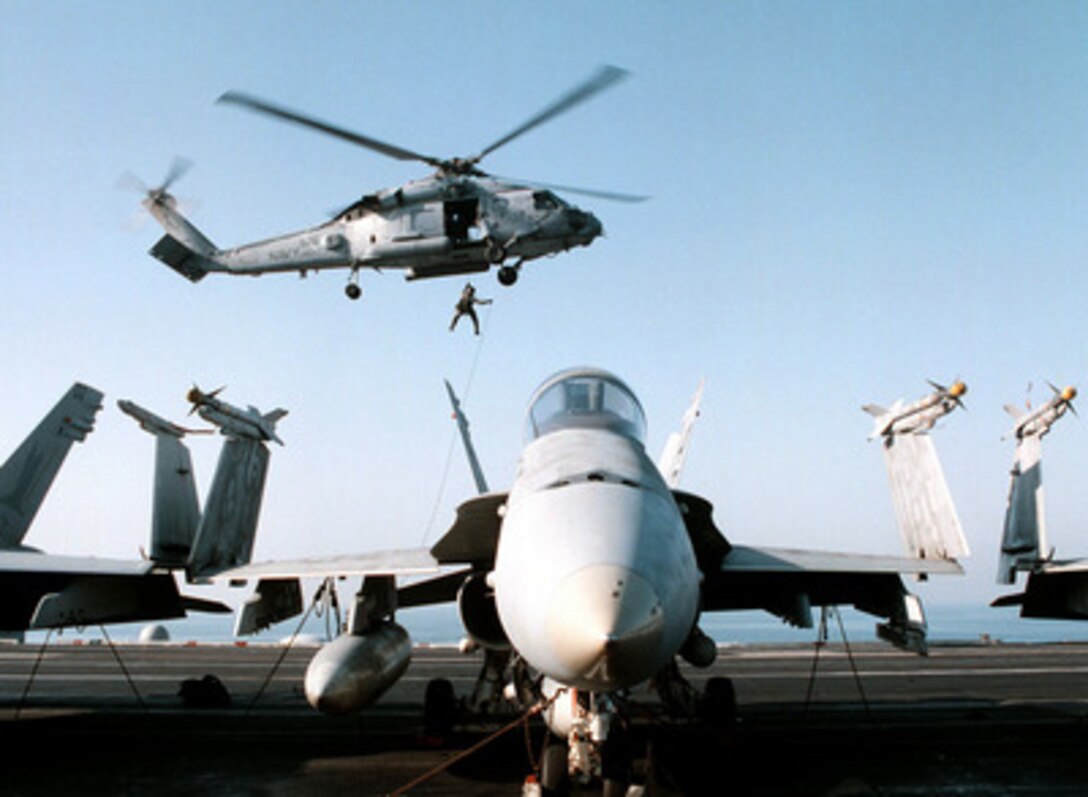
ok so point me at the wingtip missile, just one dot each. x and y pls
(1039, 421)
(920, 416)
(233, 421)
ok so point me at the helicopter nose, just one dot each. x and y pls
(583, 223)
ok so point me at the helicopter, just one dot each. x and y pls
(458, 220)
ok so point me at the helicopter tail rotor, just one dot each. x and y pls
(160, 194)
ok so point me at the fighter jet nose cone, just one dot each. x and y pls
(606, 625)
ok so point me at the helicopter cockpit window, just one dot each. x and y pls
(586, 400)
(546, 200)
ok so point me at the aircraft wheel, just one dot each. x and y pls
(554, 775)
(720, 703)
(615, 764)
(353, 291)
(508, 275)
(439, 707)
(611, 787)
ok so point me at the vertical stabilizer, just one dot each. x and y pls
(28, 473)
(466, 440)
(675, 452)
(1024, 540)
(175, 510)
(228, 527)
(923, 504)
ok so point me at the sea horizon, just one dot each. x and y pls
(440, 625)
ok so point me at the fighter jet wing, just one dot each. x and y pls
(1073, 566)
(46, 591)
(788, 583)
(744, 559)
(40, 563)
(402, 562)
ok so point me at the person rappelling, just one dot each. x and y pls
(466, 306)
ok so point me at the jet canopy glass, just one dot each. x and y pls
(585, 398)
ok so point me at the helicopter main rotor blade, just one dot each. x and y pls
(615, 196)
(605, 77)
(390, 150)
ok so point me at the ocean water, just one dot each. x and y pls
(439, 625)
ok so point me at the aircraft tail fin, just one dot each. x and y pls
(875, 410)
(224, 538)
(1023, 541)
(675, 452)
(466, 440)
(923, 504)
(27, 475)
(175, 512)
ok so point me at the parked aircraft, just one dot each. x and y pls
(39, 590)
(921, 415)
(586, 578)
(1055, 588)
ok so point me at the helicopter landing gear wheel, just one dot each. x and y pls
(508, 275)
(353, 291)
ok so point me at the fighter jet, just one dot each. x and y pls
(586, 578)
(1055, 589)
(39, 590)
(249, 423)
(1038, 422)
(919, 416)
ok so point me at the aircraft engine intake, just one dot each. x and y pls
(354, 670)
(479, 616)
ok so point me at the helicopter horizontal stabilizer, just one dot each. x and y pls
(175, 254)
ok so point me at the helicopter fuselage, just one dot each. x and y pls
(431, 228)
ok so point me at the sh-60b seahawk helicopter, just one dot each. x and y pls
(460, 220)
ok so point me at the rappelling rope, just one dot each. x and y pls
(120, 663)
(33, 673)
(449, 762)
(440, 494)
(287, 647)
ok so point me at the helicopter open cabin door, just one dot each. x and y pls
(459, 216)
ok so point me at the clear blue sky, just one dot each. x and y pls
(848, 198)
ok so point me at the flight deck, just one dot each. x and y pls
(969, 719)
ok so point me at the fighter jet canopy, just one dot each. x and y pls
(585, 398)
